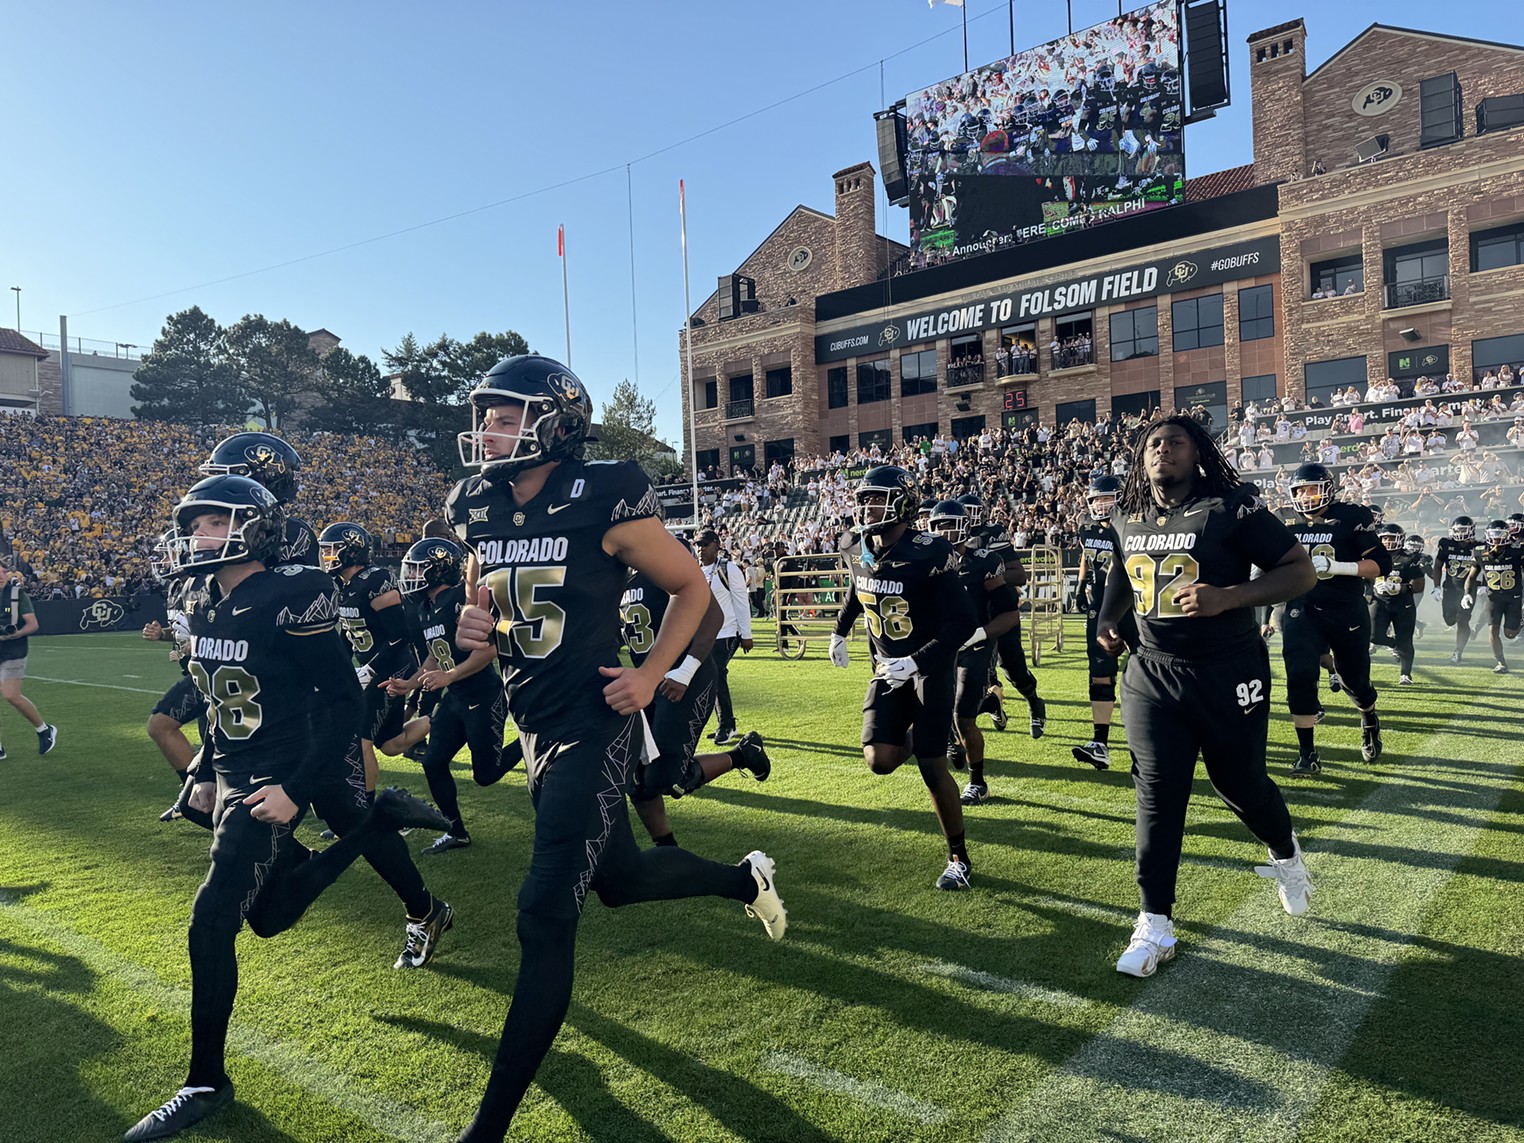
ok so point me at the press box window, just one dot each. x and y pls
(1135, 333)
(1494, 249)
(1334, 277)
(872, 382)
(779, 381)
(836, 387)
(918, 373)
(1197, 322)
(1256, 313)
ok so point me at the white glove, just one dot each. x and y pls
(683, 673)
(1327, 568)
(1438, 595)
(898, 672)
(365, 675)
(839, 656)
(979, 636)
(1468, 601)
(1385, 588)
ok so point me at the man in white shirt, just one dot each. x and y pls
(728, 584)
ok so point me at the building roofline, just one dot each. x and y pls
(1419, 34)
(831, 218)
(1277, 30)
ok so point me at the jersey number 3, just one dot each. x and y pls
(534, 625)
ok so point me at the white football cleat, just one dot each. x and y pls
(1294, 886)
(1153, 943)
(768, 907)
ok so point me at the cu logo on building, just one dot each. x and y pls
(889, 334)
(103, 613)
(1180, 273)
(1377, 98)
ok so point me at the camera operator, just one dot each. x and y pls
(728, 584)
(18, 620)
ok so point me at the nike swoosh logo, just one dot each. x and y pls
(241, 610)
(1195, 512)
(554, 508)
(261, 781)
(1252, 709)
(1355, 628)
(473, 706)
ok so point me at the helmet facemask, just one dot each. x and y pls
(248, 536)
(1312, 497)
(1101, 505)
(495, 444)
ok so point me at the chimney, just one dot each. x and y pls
(1277, 71)
(856, 240)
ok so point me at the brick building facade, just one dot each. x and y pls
(1210, 303)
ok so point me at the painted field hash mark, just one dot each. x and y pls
(862, 1091)
(989, 982)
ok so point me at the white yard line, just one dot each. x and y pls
(871, 1094)
(989, 982)
(1239, 1037)
(385, 1116)
(102, 686)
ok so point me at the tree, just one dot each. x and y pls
(353, 395)
(275, 364)
(627, 431)
(187, 376)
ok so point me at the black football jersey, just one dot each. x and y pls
(992, 537)
(975, 568)
(373, 635)
(247, 655)
(436, 620)
(641, 609)
(555, 591)
(1099, 543)
(1501, 571)
(1345, 533)
(910, 599)
(1405, 570)
(299, 544)
(1455, 559)
(1212, 540)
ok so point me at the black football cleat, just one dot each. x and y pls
(401, 810)
(446, 842)
(957, 756)
(47, 738)
(1370, 743)
(189, 1106)
(1306, 765)
(417, 750)
(1039, 716)
(751, 755)
(172, 814)
(423, 936)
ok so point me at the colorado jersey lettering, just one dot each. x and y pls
(1345, 533)
(370, 633)
(906, 599)
(436, 621)
(1454, 560)
(1099, 543)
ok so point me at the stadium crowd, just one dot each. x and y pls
(84, 499)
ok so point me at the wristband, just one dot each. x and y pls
(683, 673)
(1343, 567)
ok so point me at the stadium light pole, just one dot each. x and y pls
(17, 291)
(682, 211)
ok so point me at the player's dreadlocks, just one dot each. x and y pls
(1214, 477)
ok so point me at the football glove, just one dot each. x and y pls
(1326, 567)
(683, 673)
(898, 672)
(364, 675)
(1468, 601)
(839, 656)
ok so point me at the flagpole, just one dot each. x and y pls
(964, 9)
(682, 210)
(565, 296)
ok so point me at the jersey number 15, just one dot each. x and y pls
(534, 625)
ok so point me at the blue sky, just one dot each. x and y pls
(160, 149)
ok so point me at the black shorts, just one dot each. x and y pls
(474, 718)
(675, 730)
(972, 680)
(1504, 613)
(1450, 608)
(384, 714)
(183, 702)
(926, 705)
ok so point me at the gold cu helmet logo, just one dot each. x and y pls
(1182, 271)
(261, 456)
(566, 386)
(351, 537)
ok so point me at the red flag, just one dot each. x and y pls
(681, 200)
(560, 242)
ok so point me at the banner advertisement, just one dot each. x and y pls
(93, 616)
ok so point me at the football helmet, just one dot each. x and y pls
(1391, 536)
(263, 457)
(973, 509)
(949, 520)
(1102, 496)
(1463, 530)
(1413, 544)
(923, 513)
(431, 563)
(1312, 488)
(159, 563)
(555, 417)
(256, 525)
(1516, 526)
(1497, 533)
(884, 497)
(344, 545)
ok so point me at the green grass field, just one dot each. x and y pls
(891, 1012)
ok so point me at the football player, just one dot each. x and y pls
(905, 584)
(1394, 604)
(1098, 546)
(373, 620)
(1009, 652)
(1198, 683)
(982, 575)
(1332, 617)
(991, 536)
(471, 708)
(1454, 559)
(685, 698)
(283, 705)
(1499, 565)
(550, 541)
(183, 702)
(265, 458)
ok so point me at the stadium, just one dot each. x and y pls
(1334, 333)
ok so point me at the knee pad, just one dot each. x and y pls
(1103, 692)
(1302, 693)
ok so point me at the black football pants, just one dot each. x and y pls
(1313, 630)
(1401, 619)
(1179, 709)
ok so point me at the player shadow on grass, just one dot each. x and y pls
(579, 1087)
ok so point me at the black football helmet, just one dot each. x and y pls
(1413, 544)
(1463, 530)
(973, 509)
(884, 497)
(1102, 496)
(343, 546)
(1497, 533)
(263, 457)
(1391, 536)
(431, 563)
(950, 521)
(160, 563)
(1317, 483)
(1516, 526)
(923, 513)
(555, 416)
(256, 525)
